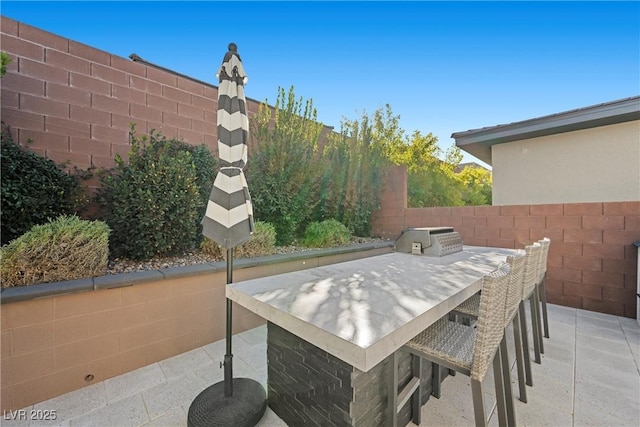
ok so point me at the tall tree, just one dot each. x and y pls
(283, 173)
(354, 165)
(431, 181)
(476, 183)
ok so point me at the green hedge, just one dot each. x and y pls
(33, 189)
(154, 203)
(325, 234)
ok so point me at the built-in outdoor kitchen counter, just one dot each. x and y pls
(332, 329)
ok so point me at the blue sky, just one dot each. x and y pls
(444, 67)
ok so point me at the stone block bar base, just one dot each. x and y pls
(310, 387)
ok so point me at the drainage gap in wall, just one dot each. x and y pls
(89, 378)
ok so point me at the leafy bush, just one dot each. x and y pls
(354, 168)
(326, 234)
(153, 203)
(33, 189)
(262, 242)
(63, 249)
(205, 164)
(283, 173)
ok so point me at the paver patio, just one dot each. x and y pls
(589, 376)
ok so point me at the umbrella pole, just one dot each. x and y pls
(228, 357)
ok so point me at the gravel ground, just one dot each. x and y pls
(118, 265)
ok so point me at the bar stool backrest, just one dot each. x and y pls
(530, 275)
(514, 293)
(544, 255)
(490, 320)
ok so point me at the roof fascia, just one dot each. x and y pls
(479, 141)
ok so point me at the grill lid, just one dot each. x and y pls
(430, 241)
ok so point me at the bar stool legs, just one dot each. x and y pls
(393, 391)
(416, 405)
(397, 399)
(541, 288)
(543, 299)
(535, 327)
(508, 392)
(498, 379)
(525, 343)
(436, 381)
(517, 337)
(478, 401)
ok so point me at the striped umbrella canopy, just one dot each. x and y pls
(228, 219)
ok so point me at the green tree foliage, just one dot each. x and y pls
(435, 184)
(476, 183)
(4, 61)
(153, 202)
(283, 173)
(205, 164)
(354, 166)
(34, 189)
(432, 180)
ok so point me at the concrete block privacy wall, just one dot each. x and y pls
(592, 262)
(54, 345)
(74, 103)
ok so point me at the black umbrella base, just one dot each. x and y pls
(244, 408)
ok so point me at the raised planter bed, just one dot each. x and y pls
(58, 337)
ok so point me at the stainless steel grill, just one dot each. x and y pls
(430, 241)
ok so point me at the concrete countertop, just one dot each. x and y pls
(364, 310)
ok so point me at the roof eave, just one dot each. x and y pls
(478, 142)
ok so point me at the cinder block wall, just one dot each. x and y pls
(54, 345)
(592, 261)
(76, 102)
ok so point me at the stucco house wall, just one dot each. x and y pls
(590, 154)
(600, 164)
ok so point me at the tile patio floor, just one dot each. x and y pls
(589, 376)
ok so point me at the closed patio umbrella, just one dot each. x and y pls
(228, 221)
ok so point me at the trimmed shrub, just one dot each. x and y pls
(326, 234)
(66, 248)
(206, 166)
(33, 189)
(262, 242)
(153, 203)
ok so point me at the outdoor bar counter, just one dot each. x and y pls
(331, 330)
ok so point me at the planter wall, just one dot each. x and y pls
(59, 337)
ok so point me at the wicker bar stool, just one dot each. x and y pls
(514, 296)
(542, 288)
(530, 275)
(470, 350)
(470, 309)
